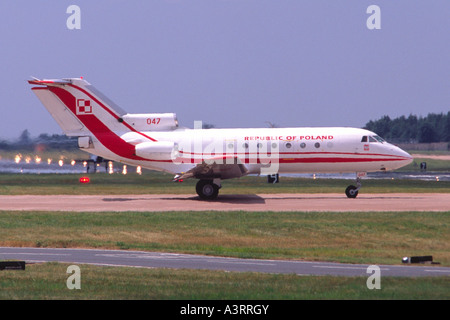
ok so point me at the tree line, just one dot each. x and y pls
(26, 142)
(413, 129)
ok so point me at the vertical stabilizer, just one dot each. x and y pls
(78, 107)
(63, 116)
(83, 111)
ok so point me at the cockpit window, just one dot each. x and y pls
(372, 139)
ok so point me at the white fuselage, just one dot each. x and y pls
(267, 150)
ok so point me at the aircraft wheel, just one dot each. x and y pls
(351, 192)
(207, 190)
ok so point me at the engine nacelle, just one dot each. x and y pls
(151, 121)
(159, 150)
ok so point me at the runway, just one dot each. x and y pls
(143, 259)
(225, 202)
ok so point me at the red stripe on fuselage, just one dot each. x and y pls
(334, 160)
(280, 160)
(296, 154)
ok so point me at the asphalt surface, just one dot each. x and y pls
(185, 261)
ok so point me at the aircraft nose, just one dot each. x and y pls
(407, 155)
(407, 158)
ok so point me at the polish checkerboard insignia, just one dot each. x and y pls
(84, 107)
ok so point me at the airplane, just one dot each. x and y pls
(156, 141)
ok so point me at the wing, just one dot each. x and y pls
(213, 168)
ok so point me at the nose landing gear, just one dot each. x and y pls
(352, 191)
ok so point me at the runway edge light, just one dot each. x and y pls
(84, 180)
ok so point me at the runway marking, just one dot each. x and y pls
(138, 256)
(443, 271)
(239, 262)
(345, 267)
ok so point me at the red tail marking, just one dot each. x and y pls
(106, 137)
(110, 111)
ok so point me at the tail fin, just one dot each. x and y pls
(78, 107)
(84, 112)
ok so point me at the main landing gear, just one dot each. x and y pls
(208, 189)
(352, 191)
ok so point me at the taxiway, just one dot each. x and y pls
(249, 202)
(186, 261)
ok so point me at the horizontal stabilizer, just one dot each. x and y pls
(49, 82)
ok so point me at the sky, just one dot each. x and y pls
(231, 63)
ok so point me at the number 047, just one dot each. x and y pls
(153, 120)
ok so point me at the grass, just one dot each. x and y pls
(48, 281)
(161, 183)
(356, 237)
(432, 165)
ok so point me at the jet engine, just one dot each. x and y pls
(159, 150)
